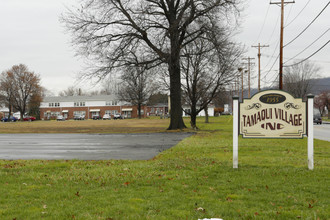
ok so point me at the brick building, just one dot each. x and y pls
(89, 106)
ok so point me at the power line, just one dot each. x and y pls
(308, 46)
(298, 14)
(273, 84)
(272, 56)
(310, 55)
(271, 67)
(271, 36)
(307, 25)
(287, 17)
(282, 3)
(263, 25)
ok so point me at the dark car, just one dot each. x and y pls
(97, 117)
(12, 118)
(29, 118)
(317, 119)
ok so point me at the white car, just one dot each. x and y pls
(118, 116)
(60, 118)
(106, 117)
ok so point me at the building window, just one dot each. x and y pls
(187, 112)
(109, 103)
(115, 102)
(52, 104)
(107, 112)
(55, 114)
(79, 113)
(77, 104)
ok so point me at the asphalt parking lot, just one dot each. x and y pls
(86, 146)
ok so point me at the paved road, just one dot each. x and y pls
(86, 146)
(322, 132)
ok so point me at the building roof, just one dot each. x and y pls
(81, 98)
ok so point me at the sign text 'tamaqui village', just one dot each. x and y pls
(272, 114)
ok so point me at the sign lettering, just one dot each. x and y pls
(272, 114)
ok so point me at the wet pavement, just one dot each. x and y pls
(86, 146)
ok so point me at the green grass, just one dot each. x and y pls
(325, 119)
(192, 180)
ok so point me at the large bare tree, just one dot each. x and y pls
(19, 85)
(111, 33)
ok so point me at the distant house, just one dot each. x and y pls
(4, 112)
(210, 111)
(88, 106)
(157, 109)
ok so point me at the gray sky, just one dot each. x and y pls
(32, 34)
(261, 24)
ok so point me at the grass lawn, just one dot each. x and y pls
(192, 180)
(325, 119)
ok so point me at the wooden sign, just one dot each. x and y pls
(272, 114)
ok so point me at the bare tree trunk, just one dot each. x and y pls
(206, 114)
(10, 107)
(193, 116)
(175, 86)
(176, 108)
(139, 110)
(193, 122)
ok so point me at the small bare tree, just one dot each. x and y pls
(322, 101)
(207, 67)
(297, 78)
(137, 86)
(19, 85)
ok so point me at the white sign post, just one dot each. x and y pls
(310, 104)
(235, 132)
(273, 114)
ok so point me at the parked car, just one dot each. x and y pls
(106, 117)
(97, 117)
(79, 117)
(60, 118)
(118, 116)
(317, 119)
(12, 118)
(29, 118)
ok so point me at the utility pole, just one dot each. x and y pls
(282, 3)
(240, 69)
(259, 55)
(249, 71)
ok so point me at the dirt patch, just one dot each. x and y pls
(87, 126)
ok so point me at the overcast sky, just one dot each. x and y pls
(32, 34)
